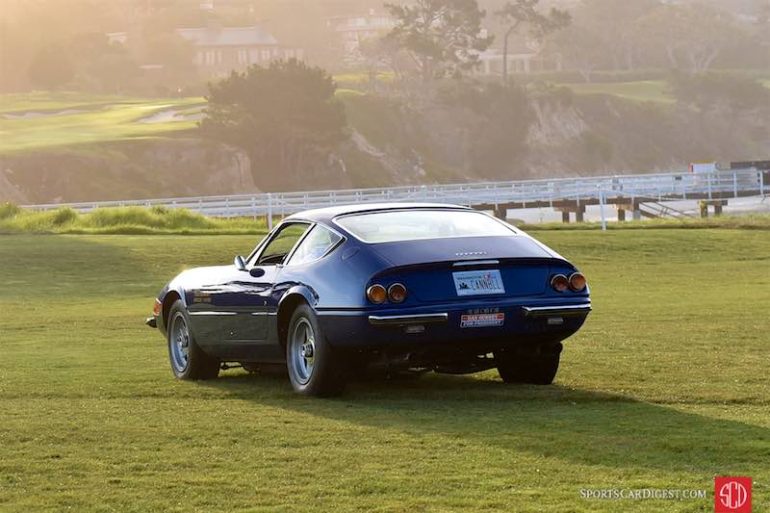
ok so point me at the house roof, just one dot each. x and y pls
(228, 36)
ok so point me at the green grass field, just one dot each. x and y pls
(643, 90)
(665, 386)
(35, 121)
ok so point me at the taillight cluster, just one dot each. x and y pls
(576, 282)
(377, 293)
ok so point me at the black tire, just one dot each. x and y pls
(533, 366)
(250, 367)
(314, 368)
(188, 361)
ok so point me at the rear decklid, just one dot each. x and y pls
(453, 268)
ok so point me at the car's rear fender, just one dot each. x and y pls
(293, 297)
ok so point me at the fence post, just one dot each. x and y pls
(601, 210)
(761, 183)
(735, 183)
(269, 211)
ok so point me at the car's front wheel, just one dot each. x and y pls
(310, 360)
(188, 360)
(535, 367)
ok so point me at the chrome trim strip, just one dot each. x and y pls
(562, 310)
(263, 314)
(214, 313)
(471, 263)
(404, 320)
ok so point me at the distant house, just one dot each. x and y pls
(524, 57)
(353, 30)
(491, 63)
(219, 50)
(117, 37)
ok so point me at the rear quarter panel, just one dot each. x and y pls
(337, 281)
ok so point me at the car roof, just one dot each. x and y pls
(325, 215)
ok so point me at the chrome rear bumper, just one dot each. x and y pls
(556, 311)
(529, 311)
(405, 320)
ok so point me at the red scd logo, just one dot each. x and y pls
(732, 495)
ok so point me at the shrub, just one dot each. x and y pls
(8, 210)
(62, 216)
(708, 90)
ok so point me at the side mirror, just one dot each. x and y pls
(256, 272)
(239, 263)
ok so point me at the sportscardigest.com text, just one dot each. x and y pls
(640, 494)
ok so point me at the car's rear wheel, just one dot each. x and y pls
(537, 366)
(310, 360)
(188, 360)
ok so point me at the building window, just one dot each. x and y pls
(210, 57)
(243, 56)
(265, 55)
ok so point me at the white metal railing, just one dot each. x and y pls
(602, 189)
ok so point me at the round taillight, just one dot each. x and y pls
(577, 282)
(377, 294)
(560, 283)
(397, 293)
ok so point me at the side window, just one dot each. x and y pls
(315, 245)
(276, 250)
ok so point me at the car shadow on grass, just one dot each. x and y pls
(583, 426)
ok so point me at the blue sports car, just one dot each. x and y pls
(408, 287)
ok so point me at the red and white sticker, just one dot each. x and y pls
(732, 494)
(485, 320)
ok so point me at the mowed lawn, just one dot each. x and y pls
(666, 386)
(642, 90)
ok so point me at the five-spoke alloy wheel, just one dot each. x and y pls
(188, 361)
(314, 368)
(302, 350)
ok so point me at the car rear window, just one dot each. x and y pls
(403, 225)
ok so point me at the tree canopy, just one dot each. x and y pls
(283, 116)
(524, 14)
(442, 37)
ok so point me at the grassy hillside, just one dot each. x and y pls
(69, 147)
(40, 121)
(664, 387)
(124, 220)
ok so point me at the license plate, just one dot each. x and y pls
(478, 283)
(482, 320)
